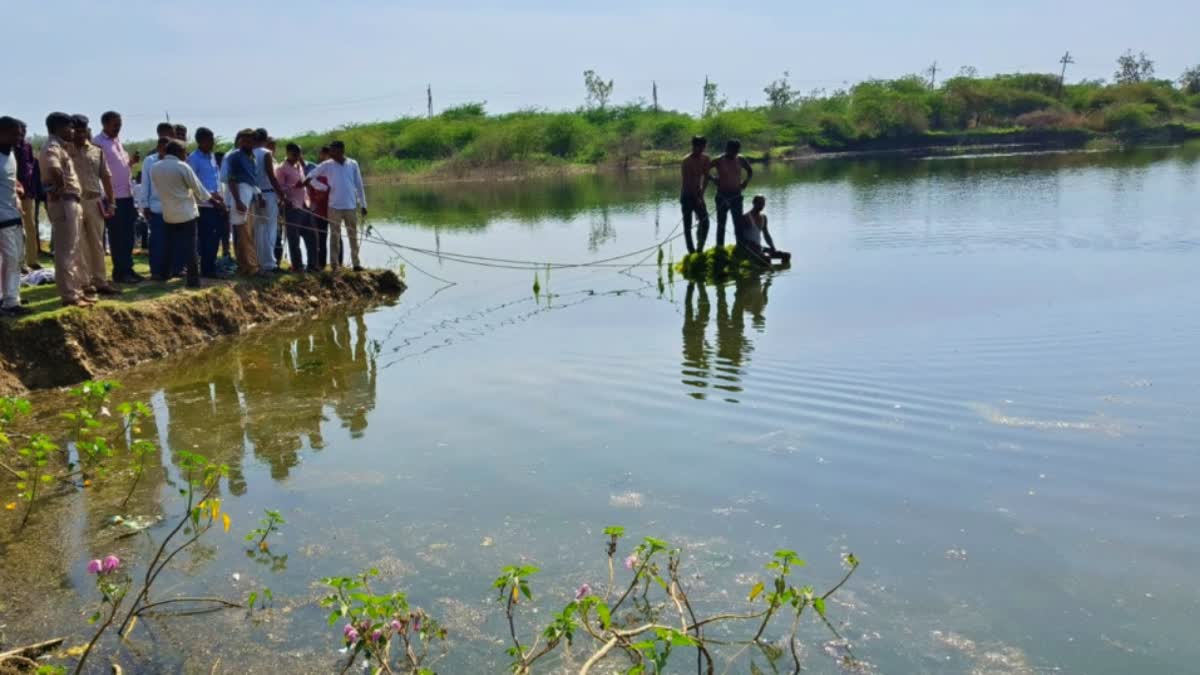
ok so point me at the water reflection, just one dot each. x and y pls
(720, 366)
(271, 396)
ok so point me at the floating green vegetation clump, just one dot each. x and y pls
(718, 264)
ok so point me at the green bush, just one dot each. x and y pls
(1125, 117)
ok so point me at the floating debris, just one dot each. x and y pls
(627, 500)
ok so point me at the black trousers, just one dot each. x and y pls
(187, 233)
(693, 204)
(730, 203)
(300, 229)
(120, 237)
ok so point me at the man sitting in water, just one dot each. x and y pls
(756, 231)
(691, 196)
(730, 185)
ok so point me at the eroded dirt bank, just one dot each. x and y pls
(70, 346)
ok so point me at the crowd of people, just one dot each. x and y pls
(197, 215)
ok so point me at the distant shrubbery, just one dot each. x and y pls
(875, 113)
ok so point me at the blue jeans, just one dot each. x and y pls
(211, 230)
(158, 246)
(120, 238)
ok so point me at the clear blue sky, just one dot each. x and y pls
(314, 64)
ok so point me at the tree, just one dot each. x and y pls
(1133, 69)
(1190, 80)
(969, 72)
(598, 91)
(714, 104)
(780, 93)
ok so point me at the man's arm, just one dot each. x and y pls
(767, 235)
(358, 187)
(106, 179)
(708, 176)
(749, 171)
(269, 161)
(200, 192)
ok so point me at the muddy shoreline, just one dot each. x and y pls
(68, 347)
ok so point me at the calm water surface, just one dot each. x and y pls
(979, 376)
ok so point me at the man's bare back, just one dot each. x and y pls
(693, 170)
(729, 173)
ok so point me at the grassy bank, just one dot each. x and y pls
(877, 115)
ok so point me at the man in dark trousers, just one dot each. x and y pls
(730, 184)
(691, 196)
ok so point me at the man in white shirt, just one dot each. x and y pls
(180, 192)
(347, 199)
(266, 211)
(12, 236)
(162, 263)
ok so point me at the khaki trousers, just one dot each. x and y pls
(29, 218)
(65, 218)
(336, 218)
(91, 241)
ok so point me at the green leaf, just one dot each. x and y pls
(756, 591)
(94, 618)
(602, 611)
(819, 605)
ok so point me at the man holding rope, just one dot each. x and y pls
(347, 199)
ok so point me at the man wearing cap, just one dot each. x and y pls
(63, 195)
(124, 213)
(97, 196)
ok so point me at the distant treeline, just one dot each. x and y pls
(872, 114)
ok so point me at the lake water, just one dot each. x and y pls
(979, 376)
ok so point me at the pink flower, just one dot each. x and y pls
(347, 629)
(94, 566)
(376, 636)
(397, 626)
(352, 636)
(582, 592)
(417, 624)
(111, 563)
(631, 560)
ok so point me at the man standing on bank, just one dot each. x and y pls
(96, 180)
(26, 175)
(347, 199)
(299, 226)
(124, 213)
(11, 234)
(210, 227)
(691, 196)
(730, 185)
(266, 212)
(180, 192)
(242, 179)
(63, 195)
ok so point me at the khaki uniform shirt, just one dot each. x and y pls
(92, 168)
(54, 155)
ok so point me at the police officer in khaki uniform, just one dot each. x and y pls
(64, 194)
(92, 168)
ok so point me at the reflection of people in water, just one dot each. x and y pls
(733, 348)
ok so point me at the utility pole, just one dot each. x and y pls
(932, 75)
(1066, 60)
(704, 101)
(429, 97)
(655, 94)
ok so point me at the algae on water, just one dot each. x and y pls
(720, 264)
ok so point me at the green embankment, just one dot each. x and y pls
(877, 115)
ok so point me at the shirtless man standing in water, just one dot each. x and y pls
(729, 189)
(691, 196)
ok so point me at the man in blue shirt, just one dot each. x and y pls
(242, 177)
(212, 216)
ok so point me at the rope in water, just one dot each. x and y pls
(369, 235)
